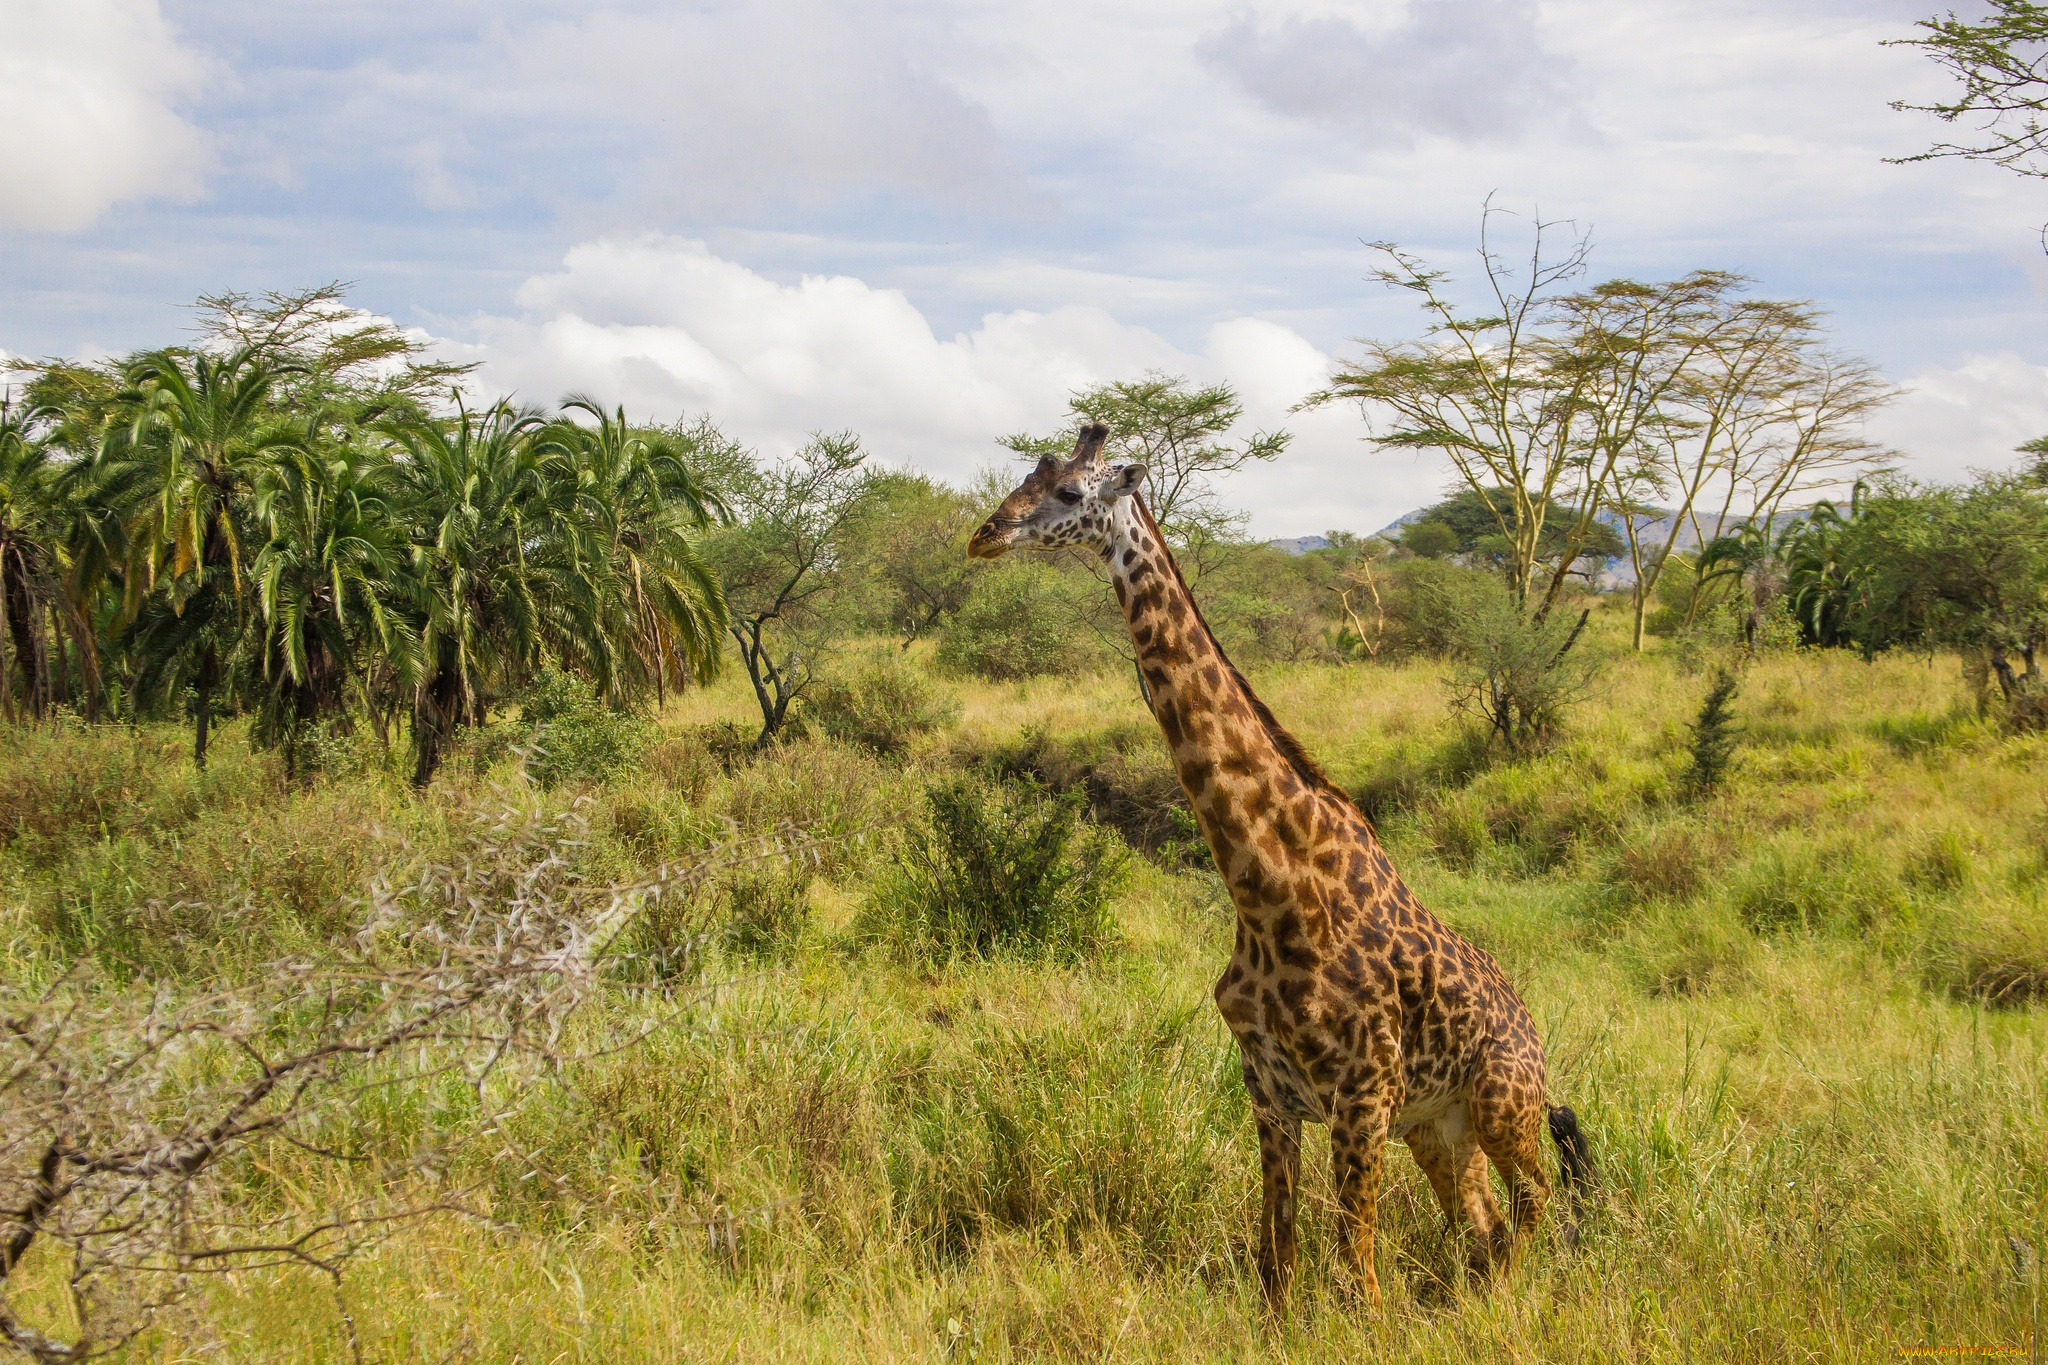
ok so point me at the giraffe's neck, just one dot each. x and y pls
(1253, 804)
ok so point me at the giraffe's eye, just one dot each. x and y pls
(1069, 496)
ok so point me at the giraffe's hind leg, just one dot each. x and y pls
(1449, 1156)
(1508, 1121)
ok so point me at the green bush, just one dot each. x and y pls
(1026, 618)
(570, 733)
(1001, 868)
(1941, 863)
(1714, 736)
(834, 793)
(1426, 602)
(1123, 771)
(1668, 862)
(1517, 676)
(1266, 609)
(882, 702)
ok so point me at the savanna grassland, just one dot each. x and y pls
(1804, 1020)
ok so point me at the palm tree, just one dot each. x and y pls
(29, 542)
(497, 579)
(199, 433)
(327, 581)
(1821, 576)
(637, 502)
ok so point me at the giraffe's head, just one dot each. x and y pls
(1060, 503)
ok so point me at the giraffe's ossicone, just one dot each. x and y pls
(1351, 1003)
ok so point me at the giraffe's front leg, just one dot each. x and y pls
(1280, 1166)
(1358, 1146)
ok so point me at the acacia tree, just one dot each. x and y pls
(327, 354)
(1766, 413)
(1180, 433)
(1584, 406)
(913, 536)
(1487, 390)
(782, 562)
(2002, 66)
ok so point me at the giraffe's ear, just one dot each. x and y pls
(1124, 481)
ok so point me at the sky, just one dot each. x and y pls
(930, 222)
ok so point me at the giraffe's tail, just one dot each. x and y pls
(1575, 1169)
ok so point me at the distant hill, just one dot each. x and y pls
(1301, 545)
(1652, 526)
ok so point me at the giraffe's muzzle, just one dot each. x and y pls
(990, 540)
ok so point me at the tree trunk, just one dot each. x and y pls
(2008, 682)
(20, 610)
(1977, 678)
(433, 721)
(202, 686)
(59, 676)
(761, 672)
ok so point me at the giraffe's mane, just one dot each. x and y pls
(1298, 757)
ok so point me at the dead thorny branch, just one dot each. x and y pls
(142, 1126)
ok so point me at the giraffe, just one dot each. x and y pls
(1351, 1004)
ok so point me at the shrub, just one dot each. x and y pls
(690, 763)
(882, 702)
(1124, 773)
(835, 793)
(1668, 863)
(573, 734)
(1025, 618)
(1714, 735)
(1941, 863)
(1279, 615)
(1426, 603)
(1517, 675)
(1002, 867)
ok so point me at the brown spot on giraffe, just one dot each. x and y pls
(1351, 1004)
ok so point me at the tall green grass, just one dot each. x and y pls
(1801, 1017)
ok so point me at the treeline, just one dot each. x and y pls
(295, 517)
(279, 519)
(290, 518)
(1911, 566)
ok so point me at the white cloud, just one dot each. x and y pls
(666, 327)
(89, 91)
(1468, 70)
(1968, 416)
(433, 183)
(798, 103)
